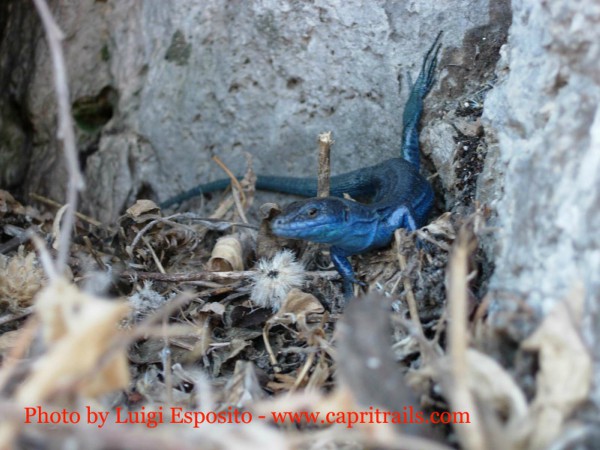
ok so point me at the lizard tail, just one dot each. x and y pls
(357, 183)
(414, 104)
(217, 185)
(306, 187)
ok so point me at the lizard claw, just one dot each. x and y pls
(347, 286)
(353, 280)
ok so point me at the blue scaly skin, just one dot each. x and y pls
(399, 196)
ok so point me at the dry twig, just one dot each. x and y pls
(410, 296)
(365, 355)
(57, 205)
(210, 276)
(324, 173)
(10, 317)
(66, 132)
(233, 178)
(459, 395)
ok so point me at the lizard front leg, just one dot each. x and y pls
(340, 260)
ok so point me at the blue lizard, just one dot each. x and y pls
(400, 196)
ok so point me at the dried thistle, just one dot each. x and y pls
(275, 278)
(20, 279)
(145, 301)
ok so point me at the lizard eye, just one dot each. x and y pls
(312, 212)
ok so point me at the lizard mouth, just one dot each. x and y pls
(287, 229)
(314, 232)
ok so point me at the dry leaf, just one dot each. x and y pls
(227, 255)
(79, 329)
(186, 343)
(56, 226)
(243, 387)
(283, 382)
(153, 388)
(6, 201)
(296, 306)
(141, 207)
(236, 347)
(9, 204)
(213, 307)
(493, 386)
(442, 225)
(8, 340)
(565, 376)
(469, 127)
(320, 374)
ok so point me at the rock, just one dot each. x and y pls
(542, 173)
(195, 79)
(19, 33)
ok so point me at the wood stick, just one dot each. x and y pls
(324, 174)
(212, 276)
(66, 132)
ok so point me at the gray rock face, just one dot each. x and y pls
(18, 26)
(196, 79)
(543, 174)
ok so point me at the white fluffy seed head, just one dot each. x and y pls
(275, 278)
(146, 301)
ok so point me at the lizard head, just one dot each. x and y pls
(324, 220)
